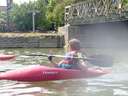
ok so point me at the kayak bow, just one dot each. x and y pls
(4, 57)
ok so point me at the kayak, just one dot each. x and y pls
(6, 57)
(44, 73)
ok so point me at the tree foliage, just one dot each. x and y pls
(55, 10)
(50, 12)
(21, 15)
(2, 21)
(125, 3)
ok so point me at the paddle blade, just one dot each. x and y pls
(101, 60)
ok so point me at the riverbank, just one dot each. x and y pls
(31, 40)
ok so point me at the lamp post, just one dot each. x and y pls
(33, 20)
(34, 12)
(9, 5)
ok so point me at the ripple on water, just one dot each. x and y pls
(120, 92)
(13, 88)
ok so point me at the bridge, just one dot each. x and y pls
(98, 23)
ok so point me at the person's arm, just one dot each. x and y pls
(83, 63)
(61, 62)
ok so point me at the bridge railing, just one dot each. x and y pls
(91, 11)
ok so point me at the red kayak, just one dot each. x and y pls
(43, 73)
(6, 57)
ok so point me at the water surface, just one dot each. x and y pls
(114, 84)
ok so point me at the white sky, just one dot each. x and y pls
(3, 2)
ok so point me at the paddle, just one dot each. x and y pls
(97, 60)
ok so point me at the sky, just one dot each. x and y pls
(3, 2)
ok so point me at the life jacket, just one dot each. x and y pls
(69, 60)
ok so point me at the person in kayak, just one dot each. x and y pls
(71, 61)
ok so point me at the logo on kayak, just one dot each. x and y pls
(50, 73)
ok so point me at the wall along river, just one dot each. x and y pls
(114, 84)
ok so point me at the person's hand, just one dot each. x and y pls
(50, 58)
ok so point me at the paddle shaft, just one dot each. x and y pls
(60, 56)
(97, 60)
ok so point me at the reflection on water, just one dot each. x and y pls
(114, 84)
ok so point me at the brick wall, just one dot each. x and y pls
(37, 42)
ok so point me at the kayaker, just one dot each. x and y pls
(69, 62)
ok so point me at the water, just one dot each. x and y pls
(114, 84)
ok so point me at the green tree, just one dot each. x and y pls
(3, 18)
(42, 22)
(50, 11)
(55, 11)
(20, 16)
(125, 3)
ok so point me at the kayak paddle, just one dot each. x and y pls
(97, 60)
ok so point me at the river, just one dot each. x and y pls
(113, 84)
